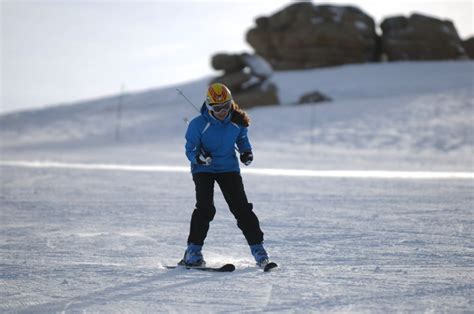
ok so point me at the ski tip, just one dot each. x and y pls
(171, 266)
(228, 267)
(270, 266)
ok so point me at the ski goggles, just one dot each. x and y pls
(219, 107)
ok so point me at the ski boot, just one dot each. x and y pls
(260, 255)
(193, 256)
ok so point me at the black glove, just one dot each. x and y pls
(246, 158)
(204, 158)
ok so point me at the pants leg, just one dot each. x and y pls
(233, 190)
(204, 212)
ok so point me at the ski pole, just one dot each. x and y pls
(186, 120)
(187, 99)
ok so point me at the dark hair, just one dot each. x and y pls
(239, 116)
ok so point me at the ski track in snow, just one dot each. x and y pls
(122, 292)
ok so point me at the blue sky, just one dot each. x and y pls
(62, 51)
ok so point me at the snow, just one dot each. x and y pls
(366, 202)
(338, 13)
(261, 171)
(259, 67)
(361, 25)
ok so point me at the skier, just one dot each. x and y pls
(210, 147)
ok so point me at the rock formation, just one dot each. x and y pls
(420, 37)
(304, 35)
(247, 76)
(468, 45)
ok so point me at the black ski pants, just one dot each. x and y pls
(232, 188)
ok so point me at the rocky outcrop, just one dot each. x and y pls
(420, 37)
(304, 35)
(227, 62)
(468, 45)
(258, 95)
(313, 97)
(247, 76)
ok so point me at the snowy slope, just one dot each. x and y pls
(95, 238)
(415, 115)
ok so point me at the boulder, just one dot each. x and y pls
(260, 94)
(227, 62)
(420, 37)
(468, 45)
(313, 97)
(235, 81)
(233, 63)
(305, 35)
(247, 76)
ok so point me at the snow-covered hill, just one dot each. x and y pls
(89, 216)
(412, 115)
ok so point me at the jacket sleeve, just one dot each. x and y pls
(243, 143)
(193, 142)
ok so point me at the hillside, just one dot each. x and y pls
(411, 115)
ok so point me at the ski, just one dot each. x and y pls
(269, 266)
(223, 269)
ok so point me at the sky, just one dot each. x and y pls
(59, 52)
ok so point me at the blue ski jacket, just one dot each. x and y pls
(207, 134)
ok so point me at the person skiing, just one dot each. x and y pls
(210, 147)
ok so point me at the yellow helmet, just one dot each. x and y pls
(218, 93)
